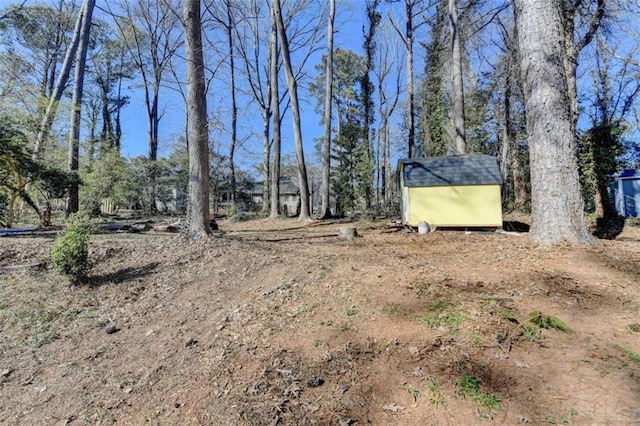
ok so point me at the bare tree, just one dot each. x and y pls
(256, 67)
(305, 213)
(326, 148)
(275, 107)
(388, 71)
(76, 104)
(151, 30)
(224, 14)
(198, 213)
(573, 12)
(557, 205)
(57, 91)
(413, 9)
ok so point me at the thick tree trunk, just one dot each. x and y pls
(305, 213)
(275, 108)
(456, 80)
(557, 206)
(78, 86)
(328, 96)
(198, 212)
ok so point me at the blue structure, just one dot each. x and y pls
(625, 192)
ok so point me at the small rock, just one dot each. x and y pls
(5, 373)
(111, 328)
(314, 382)
(190, 342)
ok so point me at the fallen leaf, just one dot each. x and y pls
(392, 407)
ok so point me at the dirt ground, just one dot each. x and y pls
(281, 322)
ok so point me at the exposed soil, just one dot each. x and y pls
(281, 322)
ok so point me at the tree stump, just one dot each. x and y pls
(348, 234)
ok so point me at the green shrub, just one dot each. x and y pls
(70, 252)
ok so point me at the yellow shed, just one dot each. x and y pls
(452, 191)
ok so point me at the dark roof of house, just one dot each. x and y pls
(287, 187)
(469, 169)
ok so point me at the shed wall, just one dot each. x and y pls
(459, 206)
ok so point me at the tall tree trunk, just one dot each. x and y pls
(573, 47)
(457, 83)
(76, 112)
(198, 211)
(266, 161)
(275, 108)
(410, 92)
(507, 130)
(234, 105)
(519, 188)
(56, 94)
(328, 96)
(557, 205)
(118, 121)
(384, 131)
(303, 185)
(373, 19)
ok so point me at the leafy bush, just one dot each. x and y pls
(70, 252)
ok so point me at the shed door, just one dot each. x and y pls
(631, 195)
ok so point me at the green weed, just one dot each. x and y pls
(437, 320)
(507, 315)
(547, 321)
(415, 393)
(633, 356)
(435, 394)
(470, 388)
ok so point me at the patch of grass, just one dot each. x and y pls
(43, 336)
(351, 311)
(435, 394)
(439, 305)
(633, 356)
(390, 309)
(344, 326)
(470, 388)
(529, 331)
(323, 272)
(444, 319)
(562, 420)
(507, 315)
(415, 393)
(545, 321)
(423, 289)
(469, 385)
(633, 328)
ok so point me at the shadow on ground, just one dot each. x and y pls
(122, 275)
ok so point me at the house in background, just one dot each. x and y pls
(289, 196)
(625, 193)
(452, 191)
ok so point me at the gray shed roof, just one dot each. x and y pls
(469, 169)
